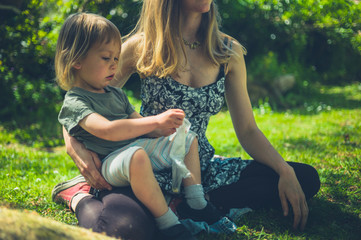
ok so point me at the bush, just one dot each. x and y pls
(324, 35)
(26, 64)
(283, 85)
(27, 49)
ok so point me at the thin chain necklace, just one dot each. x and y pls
(193, 45)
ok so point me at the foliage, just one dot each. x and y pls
(328, 138)
(264, 73)
(27, 86)
(26, 68)
(324, 35)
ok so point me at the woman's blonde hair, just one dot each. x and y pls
(161, 39)
(79, 33)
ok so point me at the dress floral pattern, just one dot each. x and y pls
(199, 104)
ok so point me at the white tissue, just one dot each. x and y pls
(177, 154)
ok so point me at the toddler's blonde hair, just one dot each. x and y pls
(80, 32)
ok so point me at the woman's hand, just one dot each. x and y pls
(87, 162)
(290, 191)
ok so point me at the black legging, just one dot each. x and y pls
(258, 187)
(119, 214)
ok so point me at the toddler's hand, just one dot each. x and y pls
(170, 119)
(161, 132)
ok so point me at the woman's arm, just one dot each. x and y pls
(87, 162)
(123, 129)
(256, 144)
(127, 62)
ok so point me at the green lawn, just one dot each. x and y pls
(325, 132)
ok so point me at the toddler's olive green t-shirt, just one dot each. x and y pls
(79, 103)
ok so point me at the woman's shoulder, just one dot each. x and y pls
(236, 52)
(128, 59)
(234, 44)
(132, 42)
(131, 47)
(239, 49)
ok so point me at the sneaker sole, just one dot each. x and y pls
(65, 185)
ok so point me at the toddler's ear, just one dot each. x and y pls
(77, 65)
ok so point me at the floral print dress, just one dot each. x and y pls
(199, 104)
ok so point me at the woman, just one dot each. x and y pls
(185, 62)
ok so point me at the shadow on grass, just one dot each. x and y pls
(324, 98)
(334, 213)
(342, 138)
(330, 220)
(337, 100)
(326, 221)
(300, 144)
(44, 133)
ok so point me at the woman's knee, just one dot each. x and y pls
(308, 178)
(124, 217)
(315, 182)
(127, 225)
(88, 211)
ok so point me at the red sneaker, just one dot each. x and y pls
(64, 192)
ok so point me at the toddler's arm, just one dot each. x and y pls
(124, 129)
(159, 132)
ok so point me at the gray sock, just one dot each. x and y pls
(195, 196)
(167, 220)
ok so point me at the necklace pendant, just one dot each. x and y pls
(193, 45)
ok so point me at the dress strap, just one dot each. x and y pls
(221, 71)
(225, 42)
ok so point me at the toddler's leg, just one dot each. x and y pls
(191, 160)
(193, 189)
(196, 206)
(144, 184)
(147, 190)
(131, 165)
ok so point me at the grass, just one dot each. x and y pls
(325, 132)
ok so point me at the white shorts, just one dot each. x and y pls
(115, 167)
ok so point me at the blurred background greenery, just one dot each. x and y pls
(292, 46)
